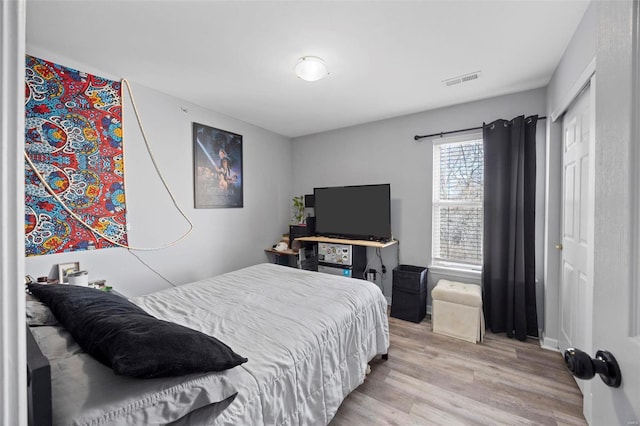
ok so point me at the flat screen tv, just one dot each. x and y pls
(358, 212)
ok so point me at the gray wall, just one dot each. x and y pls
(578, 55)
(223, 239)
(385, 152)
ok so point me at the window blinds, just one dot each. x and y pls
(457, 202)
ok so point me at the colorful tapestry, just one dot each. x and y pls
(73, 135)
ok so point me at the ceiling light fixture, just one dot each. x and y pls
(311, 68)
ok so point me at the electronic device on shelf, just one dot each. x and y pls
(296, 231)
(357, 212)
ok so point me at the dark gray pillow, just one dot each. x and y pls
(123, 336)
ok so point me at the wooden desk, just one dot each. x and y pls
(366, 243)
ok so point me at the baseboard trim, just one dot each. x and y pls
(549, 344)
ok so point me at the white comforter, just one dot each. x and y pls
(308, 337)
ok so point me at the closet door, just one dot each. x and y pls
(576, 283)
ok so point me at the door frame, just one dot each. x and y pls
(13, 398)
(553, 211)
(587, 345)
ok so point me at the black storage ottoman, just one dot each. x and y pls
(409, 293)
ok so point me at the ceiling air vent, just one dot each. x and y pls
(462, 78)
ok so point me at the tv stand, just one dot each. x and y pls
(366, 243)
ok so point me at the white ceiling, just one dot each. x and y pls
(386, 58)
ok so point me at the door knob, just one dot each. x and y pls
(581, 365)
(559, 246)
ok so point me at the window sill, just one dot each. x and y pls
(456, 271)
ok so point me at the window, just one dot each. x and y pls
(458, 178)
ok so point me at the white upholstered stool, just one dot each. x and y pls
(457, 310)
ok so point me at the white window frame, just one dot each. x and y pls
(439, 264)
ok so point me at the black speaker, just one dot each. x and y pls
(311, 225)
(309, 201)
(296, 231)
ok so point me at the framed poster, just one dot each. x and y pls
(217, 168)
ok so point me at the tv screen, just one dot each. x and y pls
(361, 212)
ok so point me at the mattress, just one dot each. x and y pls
(308, 337)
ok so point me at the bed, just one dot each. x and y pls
(307, 336)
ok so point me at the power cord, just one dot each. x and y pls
(157, 169)
(150, 268)
(383, 268)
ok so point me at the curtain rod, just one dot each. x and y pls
(441, 134)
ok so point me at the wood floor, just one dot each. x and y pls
(431, 379)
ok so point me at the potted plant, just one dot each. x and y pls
(298, 209)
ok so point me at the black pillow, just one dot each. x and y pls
(124, 337)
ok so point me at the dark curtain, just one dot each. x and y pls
(508, 275)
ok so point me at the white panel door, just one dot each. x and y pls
(576, 284)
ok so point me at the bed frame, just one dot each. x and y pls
(38, 384)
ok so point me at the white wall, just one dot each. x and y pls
(577, 57)
(223, 239)
(385, 152)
